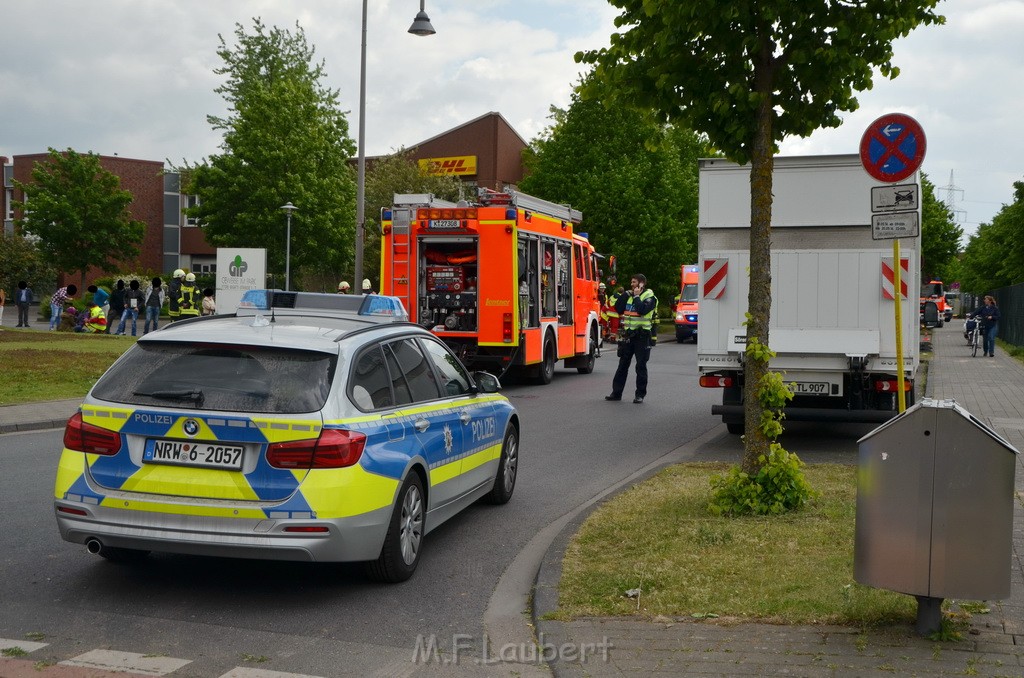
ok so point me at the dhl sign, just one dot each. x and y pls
(458, 165)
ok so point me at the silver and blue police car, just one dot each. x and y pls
(306, 427)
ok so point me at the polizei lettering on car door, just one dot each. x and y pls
(483, 429)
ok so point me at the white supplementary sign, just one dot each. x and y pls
(895, 198)
(895, 225)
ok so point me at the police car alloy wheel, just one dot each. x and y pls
(401, 552)
(505, 482)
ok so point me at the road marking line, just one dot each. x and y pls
(131, 662)
(26, 645)
(246, 672)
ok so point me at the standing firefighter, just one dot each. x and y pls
(637, 308)
(174, 294)
(191, 300)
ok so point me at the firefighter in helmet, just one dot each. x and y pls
(613, 315)
(174, 294)
(602, 300)
(191, 299)
(344, 287)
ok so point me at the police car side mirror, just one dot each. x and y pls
(486, 382)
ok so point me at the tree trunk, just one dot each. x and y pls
(759, 300)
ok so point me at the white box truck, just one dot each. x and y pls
(832, 323)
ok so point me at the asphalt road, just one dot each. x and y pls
(313, 619)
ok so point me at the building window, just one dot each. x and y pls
(191, 201)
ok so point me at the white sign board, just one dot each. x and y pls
(239, 270)
(895, 198)
(894, 225)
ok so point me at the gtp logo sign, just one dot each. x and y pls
(238, 266)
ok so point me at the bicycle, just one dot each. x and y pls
(972, 331)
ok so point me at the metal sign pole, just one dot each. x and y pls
(897, 278)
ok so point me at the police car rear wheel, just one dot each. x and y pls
(508, 468)
(401, 551)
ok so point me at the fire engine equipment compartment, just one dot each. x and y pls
(450, 274)
(935, 508)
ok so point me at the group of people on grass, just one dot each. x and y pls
(114, 312)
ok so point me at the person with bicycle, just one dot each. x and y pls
(988, 316)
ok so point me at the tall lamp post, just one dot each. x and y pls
(288, 209)
(420, 26)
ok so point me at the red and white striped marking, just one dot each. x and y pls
(888, 284)
(715, 272)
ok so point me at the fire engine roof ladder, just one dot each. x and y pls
(528, 202)
(399, 273)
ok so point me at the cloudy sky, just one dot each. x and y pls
(135, 78)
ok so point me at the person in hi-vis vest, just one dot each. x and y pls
(636, 307)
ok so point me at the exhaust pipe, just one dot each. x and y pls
(93, 546)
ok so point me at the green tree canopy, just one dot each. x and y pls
(284, 141)
(20, 259)
(940, 236)
(79, 213)
(748, 74)
(634, 179)
(994, 256)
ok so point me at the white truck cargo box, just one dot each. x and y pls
(832, 319)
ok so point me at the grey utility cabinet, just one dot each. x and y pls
(935, 505)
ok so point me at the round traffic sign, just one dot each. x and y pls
(892, 147)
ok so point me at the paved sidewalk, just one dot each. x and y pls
(992, 389)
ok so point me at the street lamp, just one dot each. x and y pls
(288, 209)
(420, 26)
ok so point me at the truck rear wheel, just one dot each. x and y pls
(591, 358)
(733, 395)
(546, 369)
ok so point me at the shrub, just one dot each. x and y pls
(779, 484)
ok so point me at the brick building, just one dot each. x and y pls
(485, 151)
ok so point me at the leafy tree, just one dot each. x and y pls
(940, 236)
(634, 179)
(385, 176)
(79, 213)
(994, 256)
(20, 259)
(748, 74)
(284, 141)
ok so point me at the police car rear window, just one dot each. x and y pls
(219, 377)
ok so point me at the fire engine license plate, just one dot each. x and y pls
(819, 388)
(444, 224)
(205, 455)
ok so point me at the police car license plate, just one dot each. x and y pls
(819, 388)
(204, 455)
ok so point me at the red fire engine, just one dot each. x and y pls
(506, 282)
